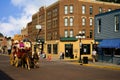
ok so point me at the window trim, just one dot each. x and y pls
(65, 21)
(117, 23)
(83, 9)
(83, 21)
(66, 9)
(71, 9)
(71, 21)
(99, 25)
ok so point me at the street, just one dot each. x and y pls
(55, 70)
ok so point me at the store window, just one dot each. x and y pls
(55, 48)
(85, 49)
(49, 48)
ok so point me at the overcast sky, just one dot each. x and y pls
(15, 14)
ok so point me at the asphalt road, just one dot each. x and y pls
(55, 70)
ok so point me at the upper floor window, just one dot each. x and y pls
(71, 8)
(91, 33)
(71, 21)
(99, 25)
(65, 9)
(49, 15)
(100, 9)
(91, 10)
(91, 21)
(55, 12)
(117, 23)
(66, 22)
(66, 33)
(71, 33)
(83, 21)
(83, 9)
(109, 9)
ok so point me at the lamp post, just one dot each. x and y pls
(38, 27)
(80, 36)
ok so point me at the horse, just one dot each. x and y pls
(35, 60)
(26, 59)
(30, 60)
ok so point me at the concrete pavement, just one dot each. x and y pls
(90, 63)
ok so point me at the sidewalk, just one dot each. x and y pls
(90, 63)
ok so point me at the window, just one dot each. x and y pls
(83, 9)
(109, 9)
(66, 9)
(100, 10)
(91, 10)
(83, 21)
(66, 22)
(49, 48)
(71, 8)
(85, 49)
(71, 21)
(99, 25)
(91, 21)
(91, 32)
(66, 33)
(55, 48)
(116, 23)
(71, 33)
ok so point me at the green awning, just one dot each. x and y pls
(68, 39)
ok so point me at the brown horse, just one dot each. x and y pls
(26, 59)
(30, 61)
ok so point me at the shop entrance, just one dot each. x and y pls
(69, 50)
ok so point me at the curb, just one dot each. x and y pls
(103, 66)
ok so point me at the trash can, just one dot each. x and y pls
(85, 60)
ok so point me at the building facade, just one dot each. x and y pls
(63, 20)
(107, 32)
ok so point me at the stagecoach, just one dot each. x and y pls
(22, 56)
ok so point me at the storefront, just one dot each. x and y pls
(109, 51)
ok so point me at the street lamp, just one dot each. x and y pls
(80, 36)
(38, 27)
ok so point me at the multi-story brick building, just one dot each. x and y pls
(64, 19)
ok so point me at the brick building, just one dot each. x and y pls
(63, 20)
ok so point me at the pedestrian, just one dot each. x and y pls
(94, 54)
(9, 46)
(60, 55)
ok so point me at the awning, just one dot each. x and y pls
(68, 39)
(110, 43)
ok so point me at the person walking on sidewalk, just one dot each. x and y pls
(94, 54)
